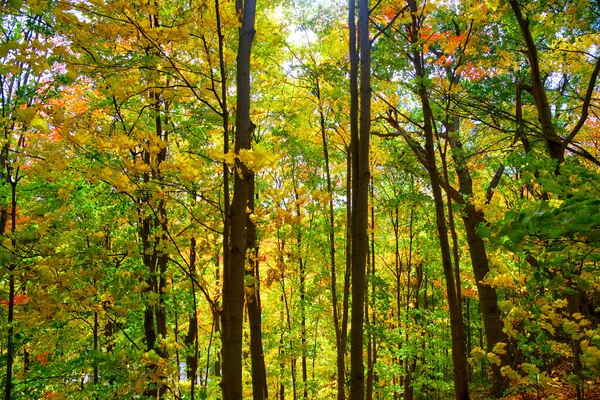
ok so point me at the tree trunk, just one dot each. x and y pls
(459, 358)
(152, 226)
(259, 378)
(10, 346)
(553, 142)
(288, 316)
(488, 299)
(372, 318)
(226, 215)
(191, 338)
(233, 279)
(5, 177)
(361, 175)
(488, 303)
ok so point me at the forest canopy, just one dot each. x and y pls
(306, 199)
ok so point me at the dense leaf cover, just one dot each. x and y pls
(131, 177)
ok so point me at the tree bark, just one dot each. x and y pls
(10, 345)
(338, 320)
(488, 299)
(459, 358)
(233, 279)
(226, 185)
(259, 378)
(553, 142)
(152, 222)
(191, 338)
(361, 175)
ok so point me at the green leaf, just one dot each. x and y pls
(582, 283)
(505, 305)
(202, 394)
(517, 235)
(594, 257)
(484, 231)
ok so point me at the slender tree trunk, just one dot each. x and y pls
(454, 236)
(361, 175)
(340, 340)
(259, 378)
(553, 142)
(303, 328)
(410, 365)
(356, 371)
(281, 353)
(288, 316)
(10, 346)
(372, 318)
(459, 357)
(226, 187)
(395, 217)
(233, 279)
(347, 276)
(153, 257)
(456, 321)
(5, 176)
(488, 299)
(302, 289)
(191, 338)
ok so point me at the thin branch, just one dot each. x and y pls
(585, 108)
(493, 184)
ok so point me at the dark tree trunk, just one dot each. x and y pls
(226, 198)
(4, 214)
(10, 346)
(361, 176)
(233, 279)
(154, 259)
(370, 303)
(488, 303)
(191, 338)
(488, 299)
(554, 143)
(259, 378)
(340, 339)
(459, 357)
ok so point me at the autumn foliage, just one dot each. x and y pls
(120, 229)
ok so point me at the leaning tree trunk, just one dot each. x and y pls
(488, 299)
(459, 358)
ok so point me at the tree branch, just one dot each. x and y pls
(585, 108)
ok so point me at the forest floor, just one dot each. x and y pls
(565, 392)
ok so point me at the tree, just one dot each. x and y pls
(360, 142)
(26, 42)
(233, 279)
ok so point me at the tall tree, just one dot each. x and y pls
(233, 277)
(360, 211)
(25, 43)
(459, 356)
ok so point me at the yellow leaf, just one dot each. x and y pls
(39, 124)
(493, 358)
(499, 348)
